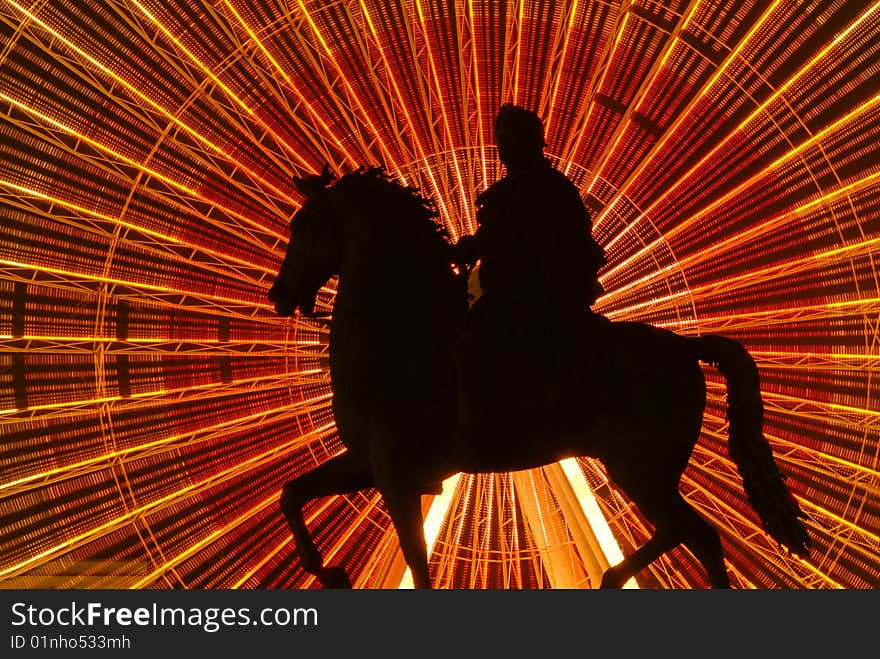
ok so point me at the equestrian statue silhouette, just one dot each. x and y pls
(632, 395)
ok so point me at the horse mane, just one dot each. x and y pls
(408, 219)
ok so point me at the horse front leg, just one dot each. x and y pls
(339, 475)
(405, 507)
(618, 575)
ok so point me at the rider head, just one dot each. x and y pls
(519, 135)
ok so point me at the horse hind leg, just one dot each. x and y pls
(660, 543)
(675, 522)
(339, 475)
(704, 543)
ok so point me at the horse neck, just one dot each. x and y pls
(389, 266)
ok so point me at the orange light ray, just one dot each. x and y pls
(157, 393)
(742, 237)
(251, 113)
(624, 11)
(416, 140)
(548, 122)
(289, 82)
(465, 204)
(481, 138)
(636, 103)
(364, 114)
(117, 220)
(169, 441)
(192, 488)
(135, 285)
(141, 167)
(864, 107)
(136, 92)
(820, 55)
(705, 89)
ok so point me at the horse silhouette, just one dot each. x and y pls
(396, 320)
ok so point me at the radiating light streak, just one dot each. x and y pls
(188, 490)
(289, 81)
(204, 542)
(117, 220)
(622, 16)
(220, 388)
(465, 203)
(481, 138)
(801, 500)
(252, 114)
(709, 84)
(169, 443)
(548, 122)
(437, 513)
(136, 92)
(671, 42)
(743, 236)
(806, 67)
(256, 510)
(863, 475)
(833, 407)
(365, 115)
(516, 61)
(597, 521)
(726, 510)
(141, 167)
(135, 285)
(416, 140)
(675, 230)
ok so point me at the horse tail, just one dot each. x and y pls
(765, 488)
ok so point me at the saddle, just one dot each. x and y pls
(524, 373)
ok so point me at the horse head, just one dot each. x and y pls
(313, 251)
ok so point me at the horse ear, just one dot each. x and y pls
(309, 185)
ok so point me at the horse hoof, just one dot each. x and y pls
(334, 577)
(610, 581)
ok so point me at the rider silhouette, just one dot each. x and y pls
(538, 275)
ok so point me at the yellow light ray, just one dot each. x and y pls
(155, 393)
(289, 81)
(667, 134)
(548, 122)
(136, 285)
(742, 237)
(465, 203)
(252, 114)
(136, 92)
(818, 57)
(624, 12)
(635, 104)
(180, 494)
(121, 454)
(516, 61)
(364, 114)
(481, 138)
(141, 167)
(320, 509)
(433, 522)
(864, 107)
(593, 513)
(417, 142)
(190, 551)
(117, 220)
